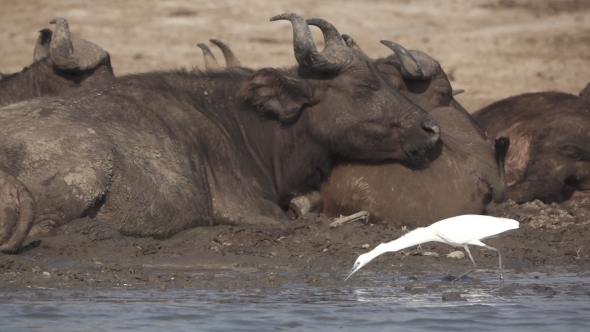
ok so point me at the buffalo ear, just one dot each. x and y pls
(42, 46)
(574, 152)
(278, 94)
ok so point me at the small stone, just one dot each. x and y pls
(452, 296)
(365, 246)
(456, 254)
(46, 274)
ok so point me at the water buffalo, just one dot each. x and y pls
(156, 153)
(60, 64)
(462, 178)
(465, 174)
(550, 155)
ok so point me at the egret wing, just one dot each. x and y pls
(461, 230)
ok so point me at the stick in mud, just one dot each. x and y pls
(362, 215)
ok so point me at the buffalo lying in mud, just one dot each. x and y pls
(156, 153)
(463, 178)
(60, 64)
(550, 154)
(465, 173)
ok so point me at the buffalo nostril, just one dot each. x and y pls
(432, 128)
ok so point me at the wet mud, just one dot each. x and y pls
(87, 253)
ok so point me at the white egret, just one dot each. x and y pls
(459, 231)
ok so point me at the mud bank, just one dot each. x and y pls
(87, 253)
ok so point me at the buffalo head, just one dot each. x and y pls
(420, 78)
(72, 56)
(345, 101)
(550, 155)
(60, 64)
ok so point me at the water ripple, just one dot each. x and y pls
(558, 302)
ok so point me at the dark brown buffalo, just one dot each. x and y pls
(462, 179)
(549, 158)
(60, 64)
(156, 153)
(464, 176)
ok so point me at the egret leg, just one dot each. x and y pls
(472, 261)
(499, 259)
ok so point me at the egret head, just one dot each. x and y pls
(360, 262)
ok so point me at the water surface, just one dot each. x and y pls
(537, 302)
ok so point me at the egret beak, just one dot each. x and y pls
(352, 271)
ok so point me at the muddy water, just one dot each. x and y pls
(533, 301)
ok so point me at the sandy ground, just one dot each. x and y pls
(492, 49)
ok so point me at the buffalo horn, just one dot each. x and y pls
(331, 35)
(73, 54)
(230, 57)
(410, 67)
(331, 59)
(210, 61)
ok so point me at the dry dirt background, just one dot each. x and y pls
(491, 48)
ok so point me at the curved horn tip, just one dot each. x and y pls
(331, 34)
(393, 45)
(219, 43)
(202, 46)
(409, 64)
(284, 16)
(228, 54)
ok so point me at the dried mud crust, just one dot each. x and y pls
(87, 253)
